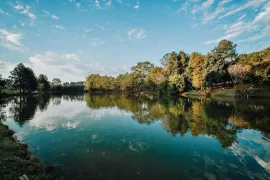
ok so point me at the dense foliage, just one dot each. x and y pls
(179, 72)
(23, 79)
(182, 72)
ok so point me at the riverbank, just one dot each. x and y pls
(229, 92)
(7, 93)
(16, 160)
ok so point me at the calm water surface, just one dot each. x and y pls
(127, 137)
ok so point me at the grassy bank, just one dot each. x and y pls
(7, 93)
(228, 92)
(16, 160)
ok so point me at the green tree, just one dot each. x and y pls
(2, 83)
(43, 83)
(216, 62)
(23, 78)
(196, 66)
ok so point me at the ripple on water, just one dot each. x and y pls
(137, 146)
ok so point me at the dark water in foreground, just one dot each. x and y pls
(124, 137)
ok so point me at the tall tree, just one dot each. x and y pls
(56, 81)
(2, 83)
(164, 60)
(196, 66)
(23, 78)
(43, 83)
(216, 62)
(172, 64)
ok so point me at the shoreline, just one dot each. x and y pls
(230, 93)
(16, 160)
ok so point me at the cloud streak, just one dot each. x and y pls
(136, 34)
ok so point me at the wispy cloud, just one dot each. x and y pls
(71, 56)
(241, 17)
(56, 65)
(251, 3)
(207, 4)
(24, 9)
(97, 3)
(96, 42)
(3, 12)
(10, 40)
(87, 30)
(57, 26)
(136, 34)
(262, 20)
(47, 13)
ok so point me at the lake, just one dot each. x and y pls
(145, 137)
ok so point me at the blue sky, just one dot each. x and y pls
(71, 39)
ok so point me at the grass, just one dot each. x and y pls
(194, 93)
(228, 92)
(15, 159)
(223, 92)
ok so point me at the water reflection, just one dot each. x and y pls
(121, 136)
(221, 119)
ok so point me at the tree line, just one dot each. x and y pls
(181, 72)
(24, 80)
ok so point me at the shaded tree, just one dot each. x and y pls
(23, 78)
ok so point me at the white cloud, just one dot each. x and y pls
(97, 4)
(210, 16)
(184, 7)
(229, 36)
(259, 25)
(71, 57)
(3, 12)
(207, 4)
(251, 3)
(57, 26)
(25, 10)
(10, 40)
(109, 3)
(225, 2)
(11, 37)
(137, 6)
(207, 17)
(96, 42)
(241, 17)
(264, 33)
(47, 13)
(97, 68)
(5, 68)
(56, 65)
(136, 34)
(87, 30)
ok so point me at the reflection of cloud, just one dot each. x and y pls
(249, 140)
(70, 125)
(137, 146)
(265, 165)
(65, 115)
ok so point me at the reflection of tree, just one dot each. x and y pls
(218, 119)
(247, 114)
(2, 110)
(43, 101)
(23, 108)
